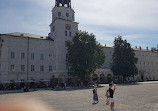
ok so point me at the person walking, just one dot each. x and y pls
(111, 94)
(95, 94)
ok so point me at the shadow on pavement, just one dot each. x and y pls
(127, 84)
(76, 88)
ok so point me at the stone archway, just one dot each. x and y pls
(109, 78)
(95, 78)
(142, 77)
(61, 79)
(102, 79)
(153, 77)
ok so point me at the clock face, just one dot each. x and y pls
(67, 14)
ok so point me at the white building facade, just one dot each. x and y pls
(147, 64)
(26, 57)
(33, 57)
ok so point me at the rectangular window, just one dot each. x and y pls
(23, 55)
(50, 68)
(12, 55)
(65, 33)
(42, 57)
(32, 56)
(50, 55)
(23, 68)
(41, 68)
(70, 34)
(32, 68)
(12, 67)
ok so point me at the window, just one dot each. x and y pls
(70, 34)
(59, 14)
(12, 67)
(42, 57)
(50, 55)
(65, 33)
(50, 68)
(23, 68)
(12, 55)
(32, 68)
(32, 56)
(41, 68)
(23, 55)
(67, 14)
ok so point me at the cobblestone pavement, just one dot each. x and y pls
(136, 97)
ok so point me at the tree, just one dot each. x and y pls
(84, 55)
(123, 59)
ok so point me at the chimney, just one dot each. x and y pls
(105, 45)
(140, 48)
(136, 47)
(147, 48)
(152, 49)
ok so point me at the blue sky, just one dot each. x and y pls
(135, 20)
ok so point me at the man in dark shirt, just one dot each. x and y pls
(111, 94)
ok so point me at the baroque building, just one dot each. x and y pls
(35, 57)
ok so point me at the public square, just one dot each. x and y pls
(133, 97)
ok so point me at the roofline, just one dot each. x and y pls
(143, 50)
(27, 37)
(64, 20)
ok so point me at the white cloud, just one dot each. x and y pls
(118, 13)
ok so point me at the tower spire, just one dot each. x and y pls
(59, 3)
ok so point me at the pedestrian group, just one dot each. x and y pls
(109, 95)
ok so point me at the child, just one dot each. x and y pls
(107, 97)
(111, 93)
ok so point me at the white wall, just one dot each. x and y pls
(19, 45)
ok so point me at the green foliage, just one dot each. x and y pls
(84, 55)
(123, 59)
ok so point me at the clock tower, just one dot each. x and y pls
(63, 28)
